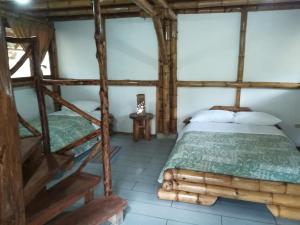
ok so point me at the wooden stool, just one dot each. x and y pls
(141, 126)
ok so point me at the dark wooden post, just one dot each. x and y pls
(54, 69)
(101, 56)
(11, 182)
(240, 75)
(38, 77)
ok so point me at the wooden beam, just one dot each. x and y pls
(146, 6)
(28, 126)
(74, 82)
(22, 81)
(38, 76)
(170, 12)
(21, 61)
(74, 108)
(160, 39)
(101, 57)
(54, 69)
(241, 61)
(234, 84)
(79, 142)
(12, 210)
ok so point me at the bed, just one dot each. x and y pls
(66, 126)
(238, 161)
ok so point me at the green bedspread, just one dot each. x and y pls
(257, 156)
(64, 130)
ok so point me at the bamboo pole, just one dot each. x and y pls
(79, 142)
(241, 193)
(165, 5)
(12, 210)
(241, 61)
(187, 197)
(69, 105)
(146, 6)
(38, 76)
(285, 212)
(101, 57)
(173, 78)
(233, 84)
(231, 181)
(97, 82)
(28, 126)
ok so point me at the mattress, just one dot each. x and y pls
(249, 151)
(65, 127)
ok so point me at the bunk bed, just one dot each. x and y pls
(41, 203)
(246, 162)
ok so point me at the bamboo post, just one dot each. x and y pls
(163, 44)
(38, 76)
(173, 77)
(12, 210)
(101, 57)
(241, 61)
(54, 69)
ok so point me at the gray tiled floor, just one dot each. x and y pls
(135, 170)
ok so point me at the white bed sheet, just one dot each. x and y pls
(230, 128)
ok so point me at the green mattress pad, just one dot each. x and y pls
(65, 130)
(255, 156)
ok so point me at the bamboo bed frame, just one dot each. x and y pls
(281, 198)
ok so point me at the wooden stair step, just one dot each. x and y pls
(28, 146)
(49, 167)
(55, 200)
(95, 212)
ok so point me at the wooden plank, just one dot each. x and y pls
(11, 187)
(55, 200)
(29, 146)
(95, 212)
(50, 166)
(173, 78)
(241, 61)
(101, 57)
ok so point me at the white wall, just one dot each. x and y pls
(208, 50)
(131, 53)
(27, 104)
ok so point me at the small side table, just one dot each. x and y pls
(141, 126)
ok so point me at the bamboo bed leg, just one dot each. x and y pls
(187, 197)
(284, 212)
(117, 219)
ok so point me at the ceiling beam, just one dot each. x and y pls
(165, 5)
(146, 6)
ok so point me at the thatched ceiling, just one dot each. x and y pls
(72, 9)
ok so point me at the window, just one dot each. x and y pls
(15, 52)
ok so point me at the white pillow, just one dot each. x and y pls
(219, 116)
(87, 106)
(256, 118)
